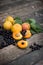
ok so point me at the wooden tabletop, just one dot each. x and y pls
(23, 9)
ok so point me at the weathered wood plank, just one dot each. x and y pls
(12, 52)
(34, 58)
(27, 9)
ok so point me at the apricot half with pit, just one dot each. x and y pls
(22, 44)
(25, 26)
(17, 36)
(27, 34)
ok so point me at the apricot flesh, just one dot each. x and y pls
(17, 36)
(27, 34)
(22, 44)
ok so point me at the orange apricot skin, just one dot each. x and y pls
(25, 26)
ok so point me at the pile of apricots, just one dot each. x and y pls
(19, 31)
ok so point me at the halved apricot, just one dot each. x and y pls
(22, 44)
(27, 34)
(17, 36)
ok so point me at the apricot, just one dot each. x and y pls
(25, 26)
(10, 18)
(7, 25)
(22, 44)
(16, 28)
(17, 36)
(27, 34)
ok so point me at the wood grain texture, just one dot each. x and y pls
(33, 58)
(23, 9)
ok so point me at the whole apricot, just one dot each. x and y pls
(7, 25)
(16, 28)
(10, 18)
(25, 26)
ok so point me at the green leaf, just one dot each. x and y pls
(32, 31)
(36, 27)
(30, 20)
(18, 20)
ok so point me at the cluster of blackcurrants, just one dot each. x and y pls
(35, 46)
(6, 37)
(9, 40)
